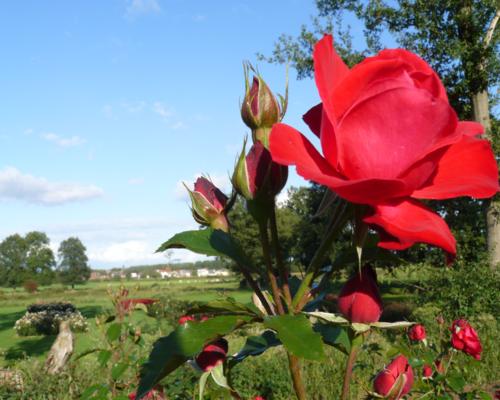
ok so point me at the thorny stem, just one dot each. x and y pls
(348, 372)
(298, 385)
(293, 361)
(255, 287)
(338, 219)
(269, 267)
(284, 272)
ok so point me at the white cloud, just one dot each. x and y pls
(135, 251)
(14, 185)
(178, 125)
(63, 141)
(222, 181)
(142, 7)
(162, 110)
(199, 18)
(135, 181)
(134, 107)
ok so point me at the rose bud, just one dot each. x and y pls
(427, 371)
(417, 333)
(259, 398)
(212, 355)
(465, 338)
(359, 299)
(260, 109)
(154, 394)
(440, 320)
(185, 318)
(209, 204)
(256, 175)
(395, 380)
(438, 365)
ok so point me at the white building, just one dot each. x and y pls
(135, 275)
(204, 272)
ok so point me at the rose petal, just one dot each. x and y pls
(375, 144)
(408, 222)
(289, 147)
(467, 168)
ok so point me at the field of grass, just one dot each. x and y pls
(266, 375)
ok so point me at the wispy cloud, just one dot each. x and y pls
(199, 18)
(136, 8)
(134, 107)
(162, 110)
(62, 141)
(136, 181)
(15, 185)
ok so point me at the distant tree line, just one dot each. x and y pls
(30, 258)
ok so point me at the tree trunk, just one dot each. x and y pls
(481, 111)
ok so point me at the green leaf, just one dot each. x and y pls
(196, 241)
(184, 342)
(225, 306)
(209, 242)
(256, 345)
(104, 357)
(456, 382)
(217, 373)
(360, 328)
(297, 335)
(118, 370)
(329, 317)
(114, 331)
(335, 336)
(392, 325)
(484, 396)
(202, 383)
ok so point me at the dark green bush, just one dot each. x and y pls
(463, 291)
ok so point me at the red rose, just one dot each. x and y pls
(259, 398)
(359, 299)
(154, 394)
(389, 138)
(465, 338)
(395, 380)
(209, 204)
(129, 304)
(212, 355)
(427, 371)
(417, 333)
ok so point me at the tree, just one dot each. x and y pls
(40, 259)
(457, 37)
(12, 261)
(73, 267)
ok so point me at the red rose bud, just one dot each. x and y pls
(359, 300)
(209, 204)
(465, 338)
(185, 318)
(417, 333)
(259, 398)
(212, 355)
(256, 176)
(260, 109)
(427, 371)
(154, 394)
(395, 380)
(438, 365)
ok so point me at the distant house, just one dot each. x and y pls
(205, 272)
(98, 276)
(176, 273)
(135, 275)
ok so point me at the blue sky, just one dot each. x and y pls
(108, 105)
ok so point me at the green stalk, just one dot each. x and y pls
(337, 221)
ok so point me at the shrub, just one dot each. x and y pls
(30, 286)
(463, 290)
(44, 319)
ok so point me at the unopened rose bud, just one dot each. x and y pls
(417, 333)
(359, 300)
(257, 176)
(185, 318)
(260, 109)
(209, 204)
(427, 371)
(395, 380)
(212, 355)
